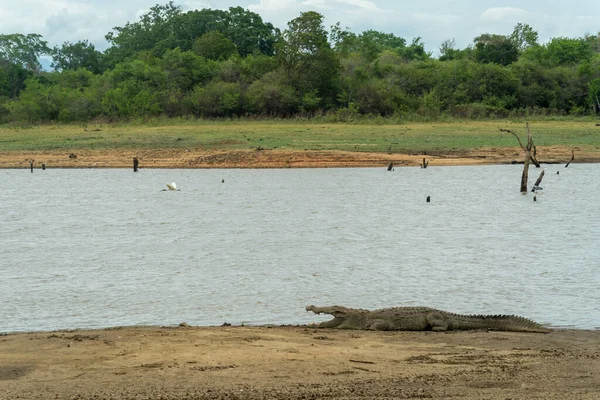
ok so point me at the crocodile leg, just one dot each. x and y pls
(380, 325)
(437, 322)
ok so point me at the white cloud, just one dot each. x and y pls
(364, 4)
(318, 4)
(349, 12)
(273, 5)
(445, 19)
(195, 5)
(58, 21)
(502, 13)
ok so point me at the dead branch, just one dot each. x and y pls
(534, 158)
(530, 146)
(572, 158)
(539, 180)
(517, 136)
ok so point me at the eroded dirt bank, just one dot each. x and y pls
(189, 158)
(298, 363)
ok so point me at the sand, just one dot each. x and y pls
(194, 158)
(299, 362)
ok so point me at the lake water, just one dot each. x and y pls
(103, 247)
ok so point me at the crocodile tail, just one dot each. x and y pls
(511, 323)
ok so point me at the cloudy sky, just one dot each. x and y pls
(434, 20)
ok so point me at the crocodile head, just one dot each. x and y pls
(339, 314)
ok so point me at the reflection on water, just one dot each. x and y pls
(96, 248)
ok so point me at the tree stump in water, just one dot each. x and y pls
(529, 156)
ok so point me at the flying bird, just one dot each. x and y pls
(171, 186)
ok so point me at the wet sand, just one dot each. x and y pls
(194, 158)
(298, 363)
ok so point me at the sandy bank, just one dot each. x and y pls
(190, 158)
(298, 363)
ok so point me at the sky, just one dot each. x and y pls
(433, 20)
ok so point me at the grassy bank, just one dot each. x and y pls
(287, 135)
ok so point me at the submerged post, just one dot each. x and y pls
(536, 185)
(135, 164)
(391, 167)
(31, 165)
(43, 166)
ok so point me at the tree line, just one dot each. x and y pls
(230, 63)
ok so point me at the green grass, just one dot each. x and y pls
(298, 135)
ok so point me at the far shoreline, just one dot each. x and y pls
(270, 159)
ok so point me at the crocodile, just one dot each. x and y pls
(421, 319)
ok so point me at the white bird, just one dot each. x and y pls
(171, 186)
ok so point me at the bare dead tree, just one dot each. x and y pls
(572, 158)
(529, 155)
(530, 145)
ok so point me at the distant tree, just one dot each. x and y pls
(354, 72)
(594, 94)
(255, 66)
(216, 99)
(23, 50)
(415, 51)
(244, 28)
(342, 40)
(306, 57)
(249, 33)
(12, 78)
(183, 70)
(36, 102)
(496, 49)
(72, 56)
(566, 51)
(151, 31)
(594, 41)
(272, 96)
(371, 43)
(447, 46)
(166, 27)
(524, 37)
(214, 46)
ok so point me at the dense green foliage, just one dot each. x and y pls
(215, 63)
